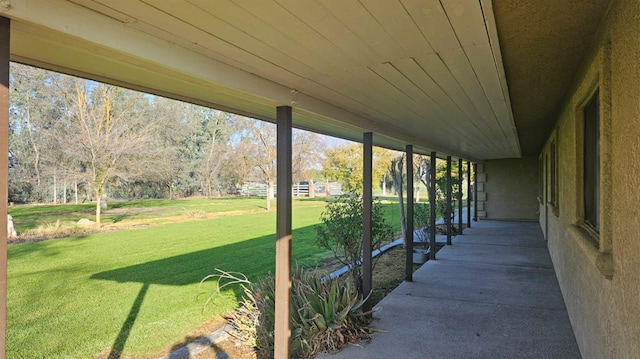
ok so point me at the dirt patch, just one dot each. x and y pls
(388, 273)
(48, 233)
(228, 346)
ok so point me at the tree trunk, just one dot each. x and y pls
(75, 188)
(36, 157)
(402, 217)
(384, 185)
(269, 194)
(99, 193)
(98, 208)
(396, 176)
(55, 188)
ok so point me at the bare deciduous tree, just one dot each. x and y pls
(307, 153)
(110, 134)
(259, 152)
(422, 167)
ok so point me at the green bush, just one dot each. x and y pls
(326, 314)
(341, 231)
(421, 221)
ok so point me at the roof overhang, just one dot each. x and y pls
(423, 72)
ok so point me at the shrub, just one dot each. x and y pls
(326, 313)
(341, 231)
(421, 222)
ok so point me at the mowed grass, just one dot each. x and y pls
(137, 291)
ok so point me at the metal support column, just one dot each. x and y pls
(468, 194)
(5, 30)
(282, 334)
(367, 198)
(460, 228)
(409, 240)
(448, 210)
(475, 192)
(432, 207)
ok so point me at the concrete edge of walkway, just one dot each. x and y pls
(201, 344)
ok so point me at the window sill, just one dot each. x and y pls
(589, 246)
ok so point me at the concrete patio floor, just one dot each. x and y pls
(492, 294)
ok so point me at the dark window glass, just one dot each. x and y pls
(554, 177)
(592, 164)
(541, 179)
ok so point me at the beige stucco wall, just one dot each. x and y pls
(511, 187)
(601, 282)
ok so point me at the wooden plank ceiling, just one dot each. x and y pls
(422, 72)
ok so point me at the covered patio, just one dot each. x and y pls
(492, 294)
(508, 87)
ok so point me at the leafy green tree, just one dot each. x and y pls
(441, 176)
(344, 164)
(421, 217)
(211, 131)
(341, 231)
(381, 167)
(441, 185)
(172, 114)
(34, 111)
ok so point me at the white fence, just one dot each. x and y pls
(298, 190)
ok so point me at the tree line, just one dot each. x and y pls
(76, 140)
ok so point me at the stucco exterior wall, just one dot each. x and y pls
(600, 279)
(511, 189)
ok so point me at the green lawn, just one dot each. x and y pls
(137, 290)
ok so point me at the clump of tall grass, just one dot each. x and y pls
(326, 314)
(196, 214)
(50, 231)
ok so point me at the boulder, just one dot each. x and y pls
(11, 231)
(85, 222)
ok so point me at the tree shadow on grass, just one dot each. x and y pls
(123, 335)
(46, 247)
(183, 270)
(254, 257)
(194, 345)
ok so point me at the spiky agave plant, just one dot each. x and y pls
(326, 314)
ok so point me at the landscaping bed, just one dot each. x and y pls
(388, 273)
